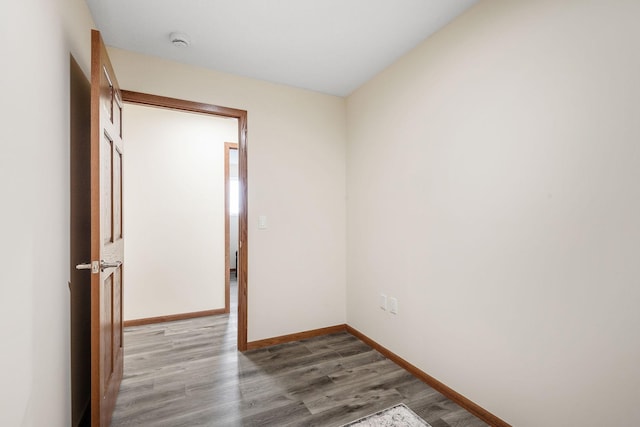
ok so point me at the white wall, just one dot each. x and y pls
(508, 145)
(233, 240)
(233, 217)
(34, 183)
(174, 211)
(296, 178)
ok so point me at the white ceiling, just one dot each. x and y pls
(329, 46)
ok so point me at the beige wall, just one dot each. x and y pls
(508, 146)
(296, 178)
(174, 211)
(34, 183)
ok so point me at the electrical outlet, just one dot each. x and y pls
(393, 305)
(382, 301)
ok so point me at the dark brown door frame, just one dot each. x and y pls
(241, 115)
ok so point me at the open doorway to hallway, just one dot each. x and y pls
(175, 213)
(232, 211)
(239, 117)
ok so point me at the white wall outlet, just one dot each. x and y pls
(382, 301)
(393, 305)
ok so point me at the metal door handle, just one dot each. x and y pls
(95, 266)
(104, 264)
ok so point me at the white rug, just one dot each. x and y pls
(396, 416)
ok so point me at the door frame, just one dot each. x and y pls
(243, 247)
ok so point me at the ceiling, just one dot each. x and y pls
(329, 46)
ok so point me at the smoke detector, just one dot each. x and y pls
(180, 39)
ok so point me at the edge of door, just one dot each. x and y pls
(79, 243)
(243, 246)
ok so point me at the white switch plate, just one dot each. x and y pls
(383, 301)
(262, 222)
(393, 305)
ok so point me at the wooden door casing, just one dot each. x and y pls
(243, 220)
(107, 243)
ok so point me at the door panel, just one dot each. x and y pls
(117, 194)
(107, 243)
(107, 335)
(107, 191)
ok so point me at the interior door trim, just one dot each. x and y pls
(243, 246)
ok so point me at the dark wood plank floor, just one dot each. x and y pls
(188, 373)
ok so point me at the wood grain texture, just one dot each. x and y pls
(243, 222)
(189, 373)
(295, 337)
(179, 104)
(243, 232)
(173, 317)
(106, 285)
(456, 397)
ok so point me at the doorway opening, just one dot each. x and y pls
(241, 116)
(231, 216)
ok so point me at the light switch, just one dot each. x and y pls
(393, 305)
(262, 222)
(382, 301)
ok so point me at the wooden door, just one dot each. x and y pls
(106, 235)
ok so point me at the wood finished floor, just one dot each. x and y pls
(188, 373)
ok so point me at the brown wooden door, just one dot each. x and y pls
(106, 235)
